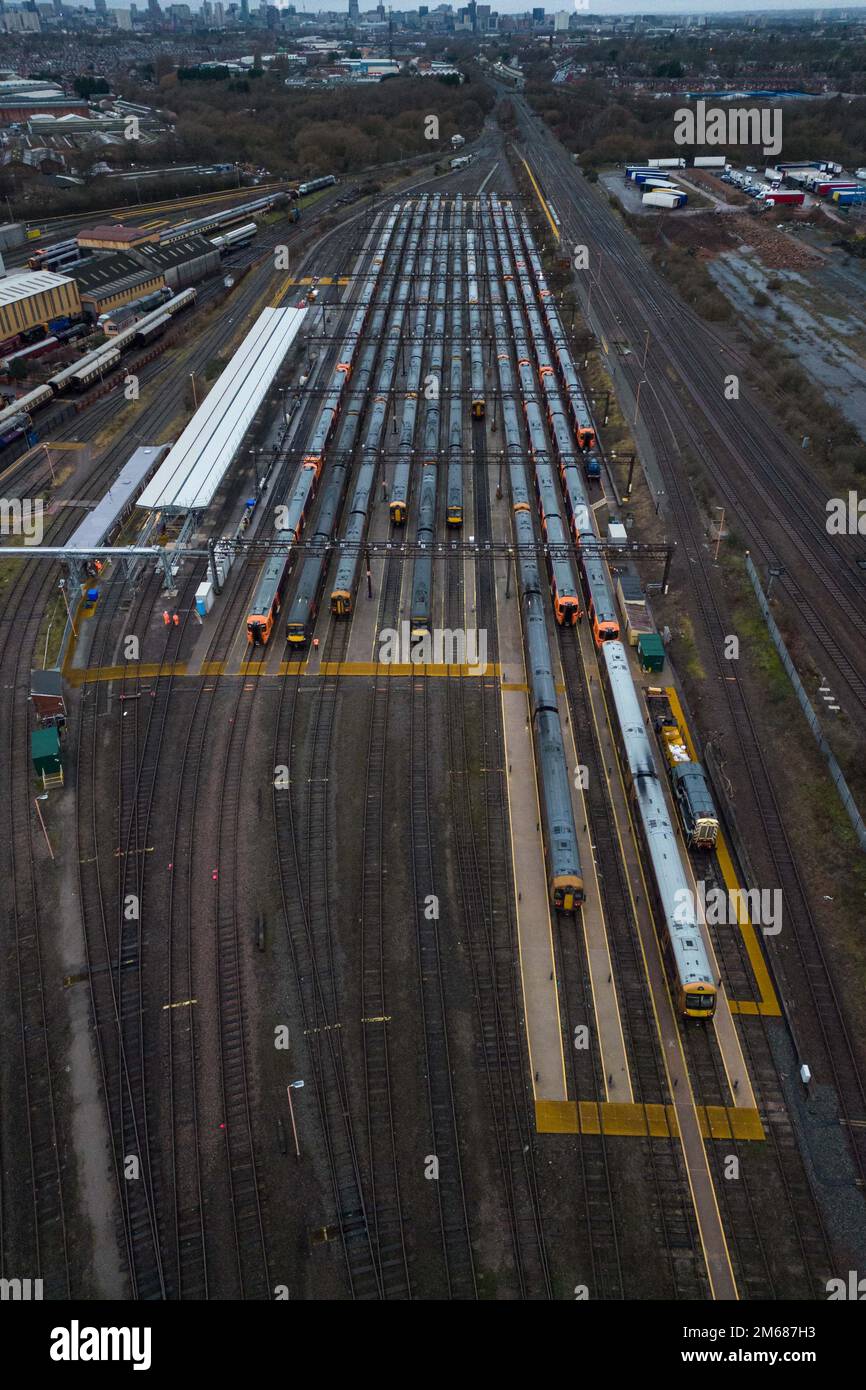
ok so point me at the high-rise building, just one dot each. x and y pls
(354, 11)
(101, 6)
(245, 11)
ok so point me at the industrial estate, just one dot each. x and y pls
(432, 584)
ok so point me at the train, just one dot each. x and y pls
(268, 597)
(78, 375)
(348, 568)
(562, 856)
(24, 356)
(454, 474)
(557, 551)
(476, 346)
(691, 792)
(398, 502)
(313, 185)
(56, 258)
(235, 237)
(686, 960)
(421, 591)
(14, 427)
(564, 424)
(215, 221)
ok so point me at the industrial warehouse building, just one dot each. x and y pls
(112, 237)
(107, 282)
(183, 262)
(35, 297)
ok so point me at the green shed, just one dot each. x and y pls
(45, 756)
(651, 651)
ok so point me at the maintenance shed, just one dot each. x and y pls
(183, 262)
(107, 282)
(46, 692)
(35, 297)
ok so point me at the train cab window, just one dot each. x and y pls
(699, 1001)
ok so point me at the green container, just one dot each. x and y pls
(45, 751)
(651, 651)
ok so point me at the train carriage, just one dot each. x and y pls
(687, 962)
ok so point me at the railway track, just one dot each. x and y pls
(480, 833)
(757, 472)
(454, 1226)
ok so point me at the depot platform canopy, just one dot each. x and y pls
(191, 474)
(101, 522)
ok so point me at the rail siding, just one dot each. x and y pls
(836, 773)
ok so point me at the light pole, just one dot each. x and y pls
(719, 532)
(194, 397)
(637, 401)
(645, 351)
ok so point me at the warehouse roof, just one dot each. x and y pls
(101, 521)
(24, 285)
(189, 477)
(172, 253)
(98, 271)
(113, 231)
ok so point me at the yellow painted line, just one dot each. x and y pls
(112, 673)
(212, 668)
(284, 288)
(540, 196)
(768, 1005)
(635, 1120)
(375, 668)
(292, 668)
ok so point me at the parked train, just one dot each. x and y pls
(348, 568)
(268, 598)
(398, 504)
(562, 856)
(56, 258)
(692, 795)
(235, 237)
(476, 346)
(421, 591)
(560, 569)
(685, 956)
(454, 474)
(313, 185)
(94, 366)
(216, 221)
(595, 578)
(14, 427)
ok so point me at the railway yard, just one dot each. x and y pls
(363, 951)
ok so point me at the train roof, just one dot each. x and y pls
(100, 522)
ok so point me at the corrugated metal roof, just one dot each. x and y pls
(14, 288)
(189, 477)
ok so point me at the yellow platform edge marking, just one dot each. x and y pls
(768, 1005)
(85, 674)
(540, 196)
(634, 1120)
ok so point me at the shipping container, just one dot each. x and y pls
(45, 756)
(664, 200)
(46, 692)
